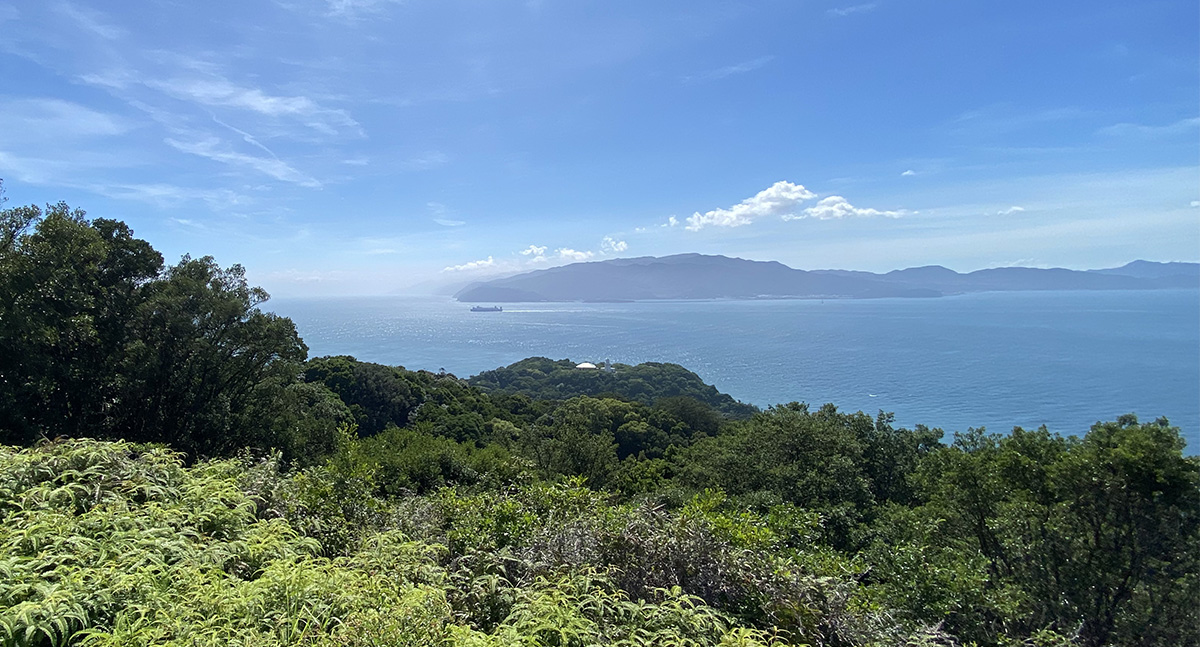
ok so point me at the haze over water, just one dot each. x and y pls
(1063, 359)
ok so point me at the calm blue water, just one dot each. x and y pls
(1063, 359)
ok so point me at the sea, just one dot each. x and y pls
(1063, 359)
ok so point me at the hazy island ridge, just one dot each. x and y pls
(699, 276)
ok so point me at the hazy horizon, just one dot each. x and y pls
(448, 286)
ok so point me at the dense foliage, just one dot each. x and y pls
(98, 338)
(243, 495)
(648, 383)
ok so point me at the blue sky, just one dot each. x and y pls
(369, 146)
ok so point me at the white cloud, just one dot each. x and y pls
(780, 199)
(1009, 211)
(534, 250)
(853, 9)
(611, 245)
(908, 173)
(569, 254)
(835, 206)
(1194, 203)
(671, 222)
(473, 265)
(213, 149)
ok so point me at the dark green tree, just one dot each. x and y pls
(790, 454)
(68, 295)
(378, 395)
(98, 339)
(576, 439)
(199, 348)
(1099, 536)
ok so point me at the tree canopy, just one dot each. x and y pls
(648, 383)
(99, 338)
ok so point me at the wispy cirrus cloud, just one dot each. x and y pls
(1003, 119)
(730, 70)
(1186, 126)
(842, 12)
(181, 94)
(220, 92)
(425, 161)
(91, 21)
(307, 276)
(171, 195)
(442, 215)
(51, 169)
(353, 9)
(54, 142)
(779, 199)
(44, 119)
(215, 149)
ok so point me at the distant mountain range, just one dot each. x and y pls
(697, 276)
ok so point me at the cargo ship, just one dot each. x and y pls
(486, 309)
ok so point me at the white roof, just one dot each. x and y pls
(585, 365)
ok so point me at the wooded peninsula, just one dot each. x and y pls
(175, 469)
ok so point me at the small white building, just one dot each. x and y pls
(586, 365)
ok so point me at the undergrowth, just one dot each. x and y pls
(112, 543)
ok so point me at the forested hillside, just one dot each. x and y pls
(174, 469)
(648, 383)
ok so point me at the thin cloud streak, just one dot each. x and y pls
(91, 21)
(853, 9)
(220, 92)
(213, 149)
(1181, 127)
(730, 70)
